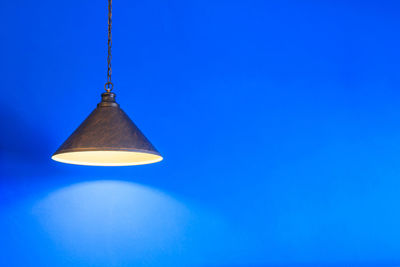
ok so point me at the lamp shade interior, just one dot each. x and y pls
(107, 158)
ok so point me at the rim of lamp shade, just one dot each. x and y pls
(107, 137)
(107, 157)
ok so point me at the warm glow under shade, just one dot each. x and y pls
(107, 158)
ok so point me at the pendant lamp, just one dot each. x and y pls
(107, 137)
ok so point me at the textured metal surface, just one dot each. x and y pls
(107, 128)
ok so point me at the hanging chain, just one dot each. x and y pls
(109, 85)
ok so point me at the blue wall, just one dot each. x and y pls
(279, 122)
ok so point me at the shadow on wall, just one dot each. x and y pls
(110, 223)
(20, 140)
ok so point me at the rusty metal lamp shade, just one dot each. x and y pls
(107, 137)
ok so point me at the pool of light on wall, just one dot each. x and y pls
(109, 223)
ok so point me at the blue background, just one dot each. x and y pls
(279, 122)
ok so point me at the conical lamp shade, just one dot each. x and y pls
(107, 138)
